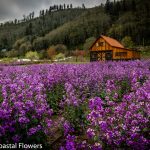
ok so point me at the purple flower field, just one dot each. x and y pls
(104, 105)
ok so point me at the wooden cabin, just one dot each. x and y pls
(106, 48)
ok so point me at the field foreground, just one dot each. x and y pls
(89, 106)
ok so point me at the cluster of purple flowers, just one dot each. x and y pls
(119, 103)
(24, 111)
(123, 124)
(109, 101)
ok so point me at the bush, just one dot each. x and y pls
(43, 54)
(60, 48)
(127, 42)
(60, 56)
(12, 53)
(51, 52)
(88, 43)
(32, 55)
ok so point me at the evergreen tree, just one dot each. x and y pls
(60, 7)
(15, 22)
(24, 18)
(57, 8)
(64, 6)
(50, 9)
(124, 5)
(32, 14)
(107, 6)
(43, 13)
(133, 5)
(29, 29)
(83, 6)
(40, 14)
(46, 11)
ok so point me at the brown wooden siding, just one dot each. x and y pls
(101, 46)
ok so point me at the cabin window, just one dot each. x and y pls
(99, 44)
(121, 54)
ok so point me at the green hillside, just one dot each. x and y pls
(36, 27)
(74, 33)
(72, 27)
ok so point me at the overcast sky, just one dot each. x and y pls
(11, 9)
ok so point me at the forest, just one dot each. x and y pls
(77, 27)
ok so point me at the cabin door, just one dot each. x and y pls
(93, 56)
(101, 56)
(108, 55)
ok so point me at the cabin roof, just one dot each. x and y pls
(112, 42)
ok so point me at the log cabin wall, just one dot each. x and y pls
(101, 45)
(120, 53)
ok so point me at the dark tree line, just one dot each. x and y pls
(118, 7)
(42, 13)
(130, 17)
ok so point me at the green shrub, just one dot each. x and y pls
(60, 56)
(32, 55)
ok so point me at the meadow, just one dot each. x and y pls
(93, 106)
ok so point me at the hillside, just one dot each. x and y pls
(10, 32)
(72, 27)
(74, 33)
